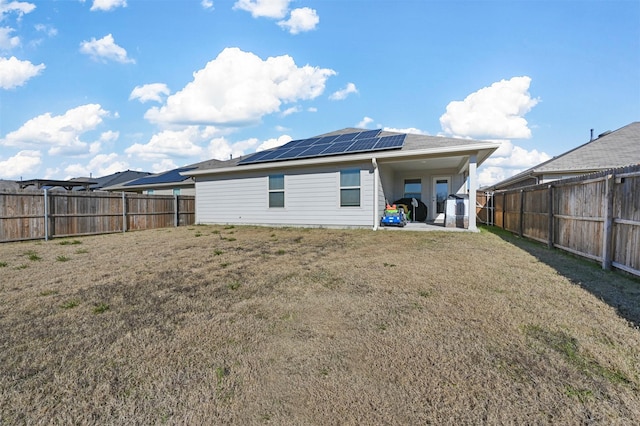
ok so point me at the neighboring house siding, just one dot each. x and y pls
(312, 198)
(168, 191)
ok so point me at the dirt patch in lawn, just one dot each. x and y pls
(252, 325)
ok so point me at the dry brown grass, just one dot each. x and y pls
(244, 325)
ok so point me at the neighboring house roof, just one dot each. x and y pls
(52, 183)
(414, 145)
(610, 150)
(170, 178)
(113, 179)
(9, 185)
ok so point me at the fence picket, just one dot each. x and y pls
(29, 215)
(596, 216)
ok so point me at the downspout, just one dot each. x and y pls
(376, 178)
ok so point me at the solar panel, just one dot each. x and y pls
(362, 145)
(368, 134)
(166, 177)
(308, 142)
(292, 153)
(346, 137)
(364, 141)
(313, 150)
(326, 139)
(394, 141)
(271, 154)
(295, 143)
(337, 148)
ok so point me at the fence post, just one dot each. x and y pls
(491, 217)
(607, 234)
(46, 215)
(175, 209)
(124, 212)
(521, 233)
(504, 203)
(550, 230)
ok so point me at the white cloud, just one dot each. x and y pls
(343, 93)
(274, 142)
(19, 7)
(411, 130)
(164, 165)
(509, 155)
(222, 149)
(61, 133)
(292, 110)
(107, 5)
(300, 20)
(100, 165)
(109, 136)
(23, 163)
(207, 4)
(105, 49)
(15, 73)
(508, 160)
(49, 30)
(150, 92)
(312, 109)
(170, 143)
(365, 122)
(6, 41)
(240, 88)
(275, 9)
(496, 111)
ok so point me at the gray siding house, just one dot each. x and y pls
(346, 188)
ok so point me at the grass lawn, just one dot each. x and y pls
(253, 325)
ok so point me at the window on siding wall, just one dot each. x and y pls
(176, 191)
(276, 191)
(149, 191)
(350, 188)
(413, 188)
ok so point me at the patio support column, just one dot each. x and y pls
(376, 178)
(473, 187)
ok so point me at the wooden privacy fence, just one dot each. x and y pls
(30, 215)
(596, 216)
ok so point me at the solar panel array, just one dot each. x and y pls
(166, 177)
(347, 143)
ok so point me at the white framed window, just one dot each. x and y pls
(276, 191)
(176, 191)
(350, 188)
(413, 188)
(149, 191)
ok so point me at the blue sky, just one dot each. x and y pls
(98, 86)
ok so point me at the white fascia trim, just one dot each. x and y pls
(379, 155)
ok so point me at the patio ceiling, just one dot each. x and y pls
(450, 162)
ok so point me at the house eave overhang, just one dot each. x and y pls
(485, 148)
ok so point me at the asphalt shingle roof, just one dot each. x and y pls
(610, 150)
(616, 149)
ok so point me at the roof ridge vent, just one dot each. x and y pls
(604, 133)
